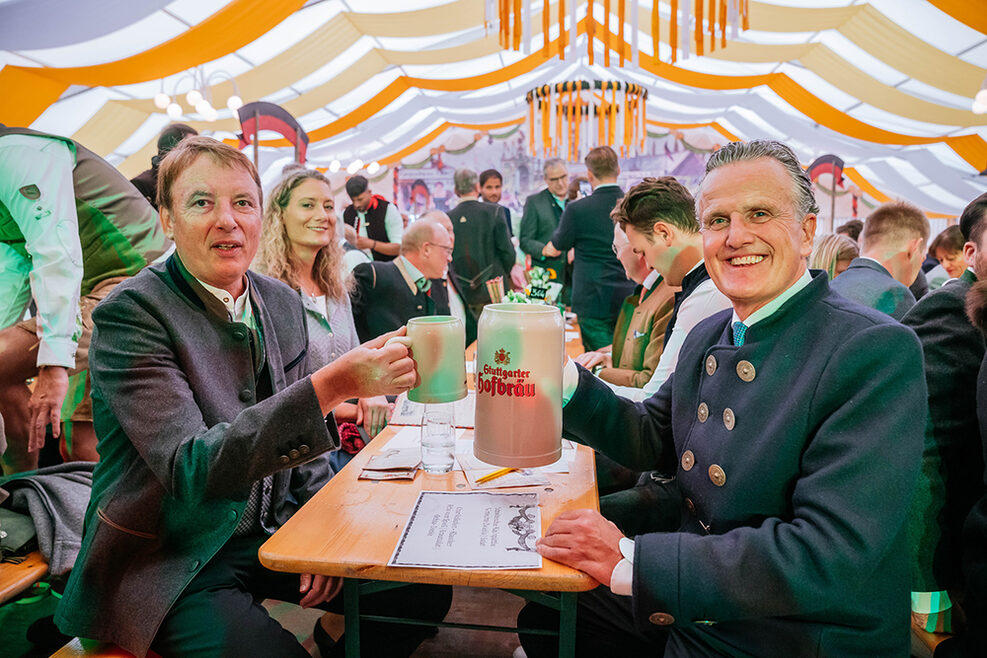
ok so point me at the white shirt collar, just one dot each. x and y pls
(769, 309)
(238, 309)
(649, 281)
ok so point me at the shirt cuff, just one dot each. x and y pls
(57, 352)
(570, 380)
(622, 577)
(929, 602)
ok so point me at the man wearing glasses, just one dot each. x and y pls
(541, 217)
(388, 294)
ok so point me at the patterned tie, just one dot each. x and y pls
(739, 331)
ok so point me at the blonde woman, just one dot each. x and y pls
(833, 254)
(299, 246)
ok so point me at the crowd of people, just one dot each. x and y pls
(786, 423)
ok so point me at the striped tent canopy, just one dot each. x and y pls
(885, 84)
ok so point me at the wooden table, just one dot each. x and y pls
(350, 529)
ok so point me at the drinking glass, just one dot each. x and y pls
(438, 438)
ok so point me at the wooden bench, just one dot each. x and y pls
(15, 578)
(79, 648)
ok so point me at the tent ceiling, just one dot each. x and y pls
(886, 84)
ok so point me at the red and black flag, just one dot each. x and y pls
(827, 164)
(260, 115)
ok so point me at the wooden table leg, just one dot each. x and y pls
(351, 616)
(567, 624)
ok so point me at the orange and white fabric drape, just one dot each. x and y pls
(569, 118)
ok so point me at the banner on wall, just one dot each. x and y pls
(429, 184)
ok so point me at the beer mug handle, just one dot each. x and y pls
(404, 340)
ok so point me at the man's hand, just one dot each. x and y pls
(46, 404)
(518, 278)
(372, 413)
(372, 369)
(584, 540)
(589, 360)
(318, 589)
(549, 251)
(364, 242)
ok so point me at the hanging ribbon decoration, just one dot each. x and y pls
(620, 119)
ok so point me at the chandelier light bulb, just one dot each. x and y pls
(981, 97)
(234, 102)
(194, 97)
(174, 110)
(979, 108)
(210, 114)
(373, 167)
(162, 100)
(334, 166)
(203, 107)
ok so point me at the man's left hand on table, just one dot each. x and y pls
(583, 539)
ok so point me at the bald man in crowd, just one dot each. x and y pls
(388, 294)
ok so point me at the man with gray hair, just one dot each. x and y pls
(795, 472)
(483, 248)
(388, 294)
(541, 215)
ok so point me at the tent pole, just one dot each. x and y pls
(256, 138)
(832, 206)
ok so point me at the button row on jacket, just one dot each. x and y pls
(745, 369)
(294, 454)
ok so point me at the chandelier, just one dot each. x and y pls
(567, 119)
(199, 96)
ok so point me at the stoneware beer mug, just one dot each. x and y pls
(519, 358)
(438, 346)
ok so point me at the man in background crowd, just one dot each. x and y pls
(387, 295)
(892, 248)
(71, 228)
(492, 190)
(483, 248)
(540, 218)
(951, 478)
(599, 284)
(377, 222)
(147, 180)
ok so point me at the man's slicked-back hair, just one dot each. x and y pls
(464, 181)
(973, 221)
(802, 195)
(487, 174)
(188, 151)
(356, 185)
(657, 199)
(895, 222)
(602, 162)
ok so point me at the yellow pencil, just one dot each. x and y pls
(495, 474)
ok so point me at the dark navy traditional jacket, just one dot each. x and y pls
(796, 455)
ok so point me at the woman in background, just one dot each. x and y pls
(947, 248)
(299, 246)
(833, 254)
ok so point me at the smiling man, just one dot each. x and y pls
(795, 471)
(212, 432)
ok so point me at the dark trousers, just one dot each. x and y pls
(219, 613)
(596, 332)
(604, 627)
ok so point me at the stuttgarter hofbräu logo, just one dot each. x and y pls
(496, 380)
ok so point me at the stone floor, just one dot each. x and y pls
(469, 605)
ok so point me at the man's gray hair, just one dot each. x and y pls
(802, 195)
(552, 162)
(465, 181)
